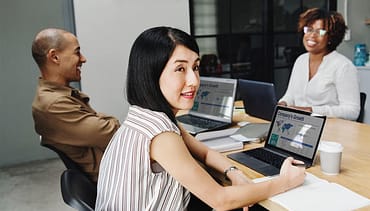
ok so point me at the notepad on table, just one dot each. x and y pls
(318, 194)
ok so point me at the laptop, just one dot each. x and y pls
(259, 98)
(213, 106)
(252, 132)
(293, 133)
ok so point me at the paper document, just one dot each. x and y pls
(223, 144)
(318, 194)
(215, 134)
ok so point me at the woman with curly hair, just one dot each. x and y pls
(323, 81)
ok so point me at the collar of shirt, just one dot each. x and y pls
(65, 89)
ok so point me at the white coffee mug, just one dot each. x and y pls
(330, 157)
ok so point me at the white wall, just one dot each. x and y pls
(106, 31)
(357, 12)
(20, 20)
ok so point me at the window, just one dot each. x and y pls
(251, 39)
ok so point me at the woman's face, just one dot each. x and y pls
(179, 80)
(314, 41)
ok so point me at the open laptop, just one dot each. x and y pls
(213, 105)
(258, 97)
(293, 133)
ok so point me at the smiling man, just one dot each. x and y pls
(62, 114)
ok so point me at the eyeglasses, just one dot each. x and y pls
(310, 30)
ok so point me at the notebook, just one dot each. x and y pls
(259, 98)
(293, 133)
(213, 105)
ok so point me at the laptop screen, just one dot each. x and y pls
(258, 97)
(295, 131)
(215, 98)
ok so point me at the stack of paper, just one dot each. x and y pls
(219, 140)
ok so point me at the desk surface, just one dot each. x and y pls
(355, 167)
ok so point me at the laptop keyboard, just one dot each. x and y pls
(266, 156)
(199, 122)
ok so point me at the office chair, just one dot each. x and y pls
(68, 162)
(360, 117)
(77, 190)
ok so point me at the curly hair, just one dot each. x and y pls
(333, 21)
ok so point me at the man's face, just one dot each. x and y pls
(71, 60)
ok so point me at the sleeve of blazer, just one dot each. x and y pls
(80, 125)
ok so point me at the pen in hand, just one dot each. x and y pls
(299, 164)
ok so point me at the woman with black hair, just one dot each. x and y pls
(152, 163)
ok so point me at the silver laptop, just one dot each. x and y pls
(293, 133)
(259, 98)
(213, 105)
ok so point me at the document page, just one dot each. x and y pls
(318, 194)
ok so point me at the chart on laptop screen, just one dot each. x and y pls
(295, 132)
(215, 98)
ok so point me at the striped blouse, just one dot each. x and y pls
(127, 178)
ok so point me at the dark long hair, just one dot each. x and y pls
(148, 57)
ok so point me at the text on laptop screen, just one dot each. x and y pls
(215, 98)
(295, 132)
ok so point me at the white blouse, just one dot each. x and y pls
(128, 180)
(333, 91)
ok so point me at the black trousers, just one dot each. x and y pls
(196, 204)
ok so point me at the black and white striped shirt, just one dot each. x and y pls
(127, 178)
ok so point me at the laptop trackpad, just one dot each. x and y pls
(255, 164)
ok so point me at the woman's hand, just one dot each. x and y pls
(282, 103)
(292, 175)
(309, 109)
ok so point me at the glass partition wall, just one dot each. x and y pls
(250, 39)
